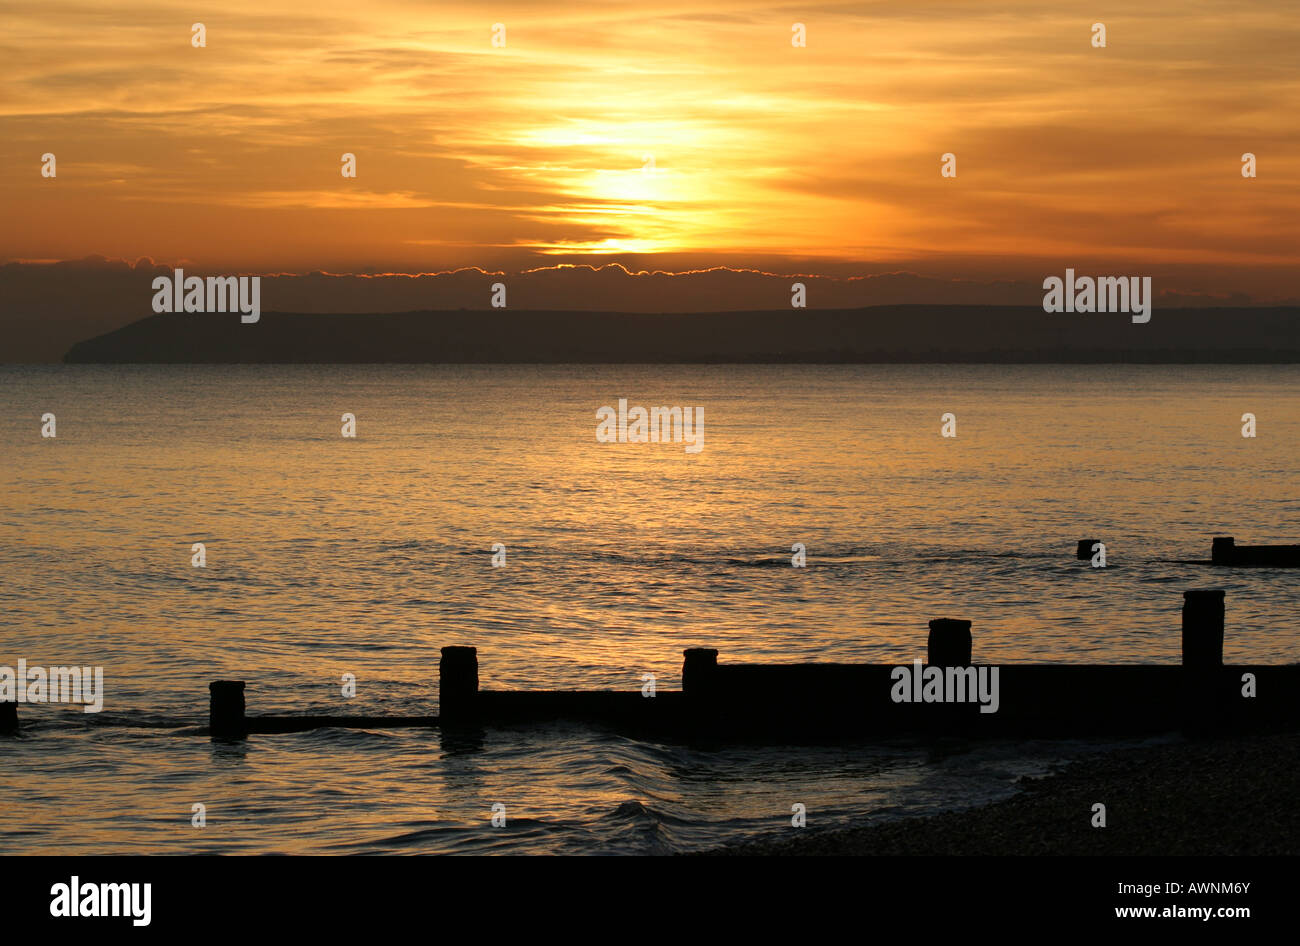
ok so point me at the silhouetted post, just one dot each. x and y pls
(1203, 708)
(699, 683)
(699, 670)
(1084, 550)
(950, 643)
(1203, 629)
(458, 682)
(226, 709)
(8, 719)
(1223, 550)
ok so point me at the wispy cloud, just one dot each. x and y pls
(618, 129)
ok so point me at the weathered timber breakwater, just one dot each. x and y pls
(946, 695)
(831, 702)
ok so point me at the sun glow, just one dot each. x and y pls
(684, 130)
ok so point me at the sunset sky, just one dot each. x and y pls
(229, 156)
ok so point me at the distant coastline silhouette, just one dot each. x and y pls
(881, 334)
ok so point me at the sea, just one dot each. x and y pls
(476, 506)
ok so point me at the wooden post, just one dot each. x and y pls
(1083, 552)
(1223, 550)
(700, 688)
(458, 682)
(950, 643)
(698, 670)
(1203, 705)
(8, 718)
(226, 709)
(1203, 628)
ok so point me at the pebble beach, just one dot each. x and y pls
(1205, 797)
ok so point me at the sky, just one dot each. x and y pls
(822, 159)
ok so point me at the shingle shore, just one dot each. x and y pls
(1227, 796)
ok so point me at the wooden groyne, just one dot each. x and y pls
(1225, 551)
(227, 718)
(947, 694)
(821, 702)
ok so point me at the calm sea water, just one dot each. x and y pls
(328, 556)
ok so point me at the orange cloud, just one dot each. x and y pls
(626, 130)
